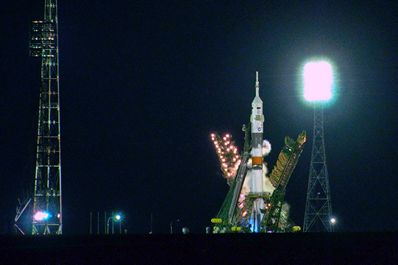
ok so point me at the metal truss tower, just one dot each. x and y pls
(318, 208)
(47, 196)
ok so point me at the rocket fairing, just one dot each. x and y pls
(257, 125)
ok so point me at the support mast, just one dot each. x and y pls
(318, 209)
(47, 195)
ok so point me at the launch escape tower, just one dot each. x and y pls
(47, 194)
(318, 208)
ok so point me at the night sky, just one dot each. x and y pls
(143, 83)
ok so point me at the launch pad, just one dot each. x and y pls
(255, 201)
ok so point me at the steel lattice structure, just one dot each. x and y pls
(318, 209)
(47, 196)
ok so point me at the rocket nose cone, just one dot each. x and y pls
(257, 101)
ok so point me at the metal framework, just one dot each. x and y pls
(318, 209)
(47, 196)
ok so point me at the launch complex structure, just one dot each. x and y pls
(255, 202)
(45, 206)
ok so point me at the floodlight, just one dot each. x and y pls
(333, 220)
(318, 81)
(41, 216)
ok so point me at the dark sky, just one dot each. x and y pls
(143, 83)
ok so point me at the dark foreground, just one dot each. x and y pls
(336, 248)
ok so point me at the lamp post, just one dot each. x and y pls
(318, 90)
(116, 217)
(172, 225)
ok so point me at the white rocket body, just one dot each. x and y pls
(256, 183)
(257, 127)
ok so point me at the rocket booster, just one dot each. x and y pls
(257, 123)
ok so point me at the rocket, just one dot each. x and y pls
(256, 173)
(257, 125)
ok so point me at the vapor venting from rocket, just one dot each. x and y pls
(266, 147)
(227, 154)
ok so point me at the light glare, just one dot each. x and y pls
(118, 217)
(41, 216)
(318, 81)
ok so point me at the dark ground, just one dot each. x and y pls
(333, 248)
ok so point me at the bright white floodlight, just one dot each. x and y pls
(41, 216)
(318, 81)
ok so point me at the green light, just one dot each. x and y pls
(117, 217)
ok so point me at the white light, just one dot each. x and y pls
(118, 217)
(41, 216)
(333, 220)
(318, 81)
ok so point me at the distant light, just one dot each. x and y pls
(318, 81)
(333, 220)
(185, 230)
(117, 217)
(41, 216)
